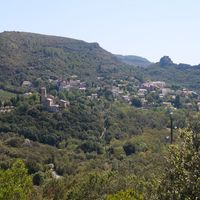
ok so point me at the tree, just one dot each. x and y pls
(38, 178)
(93, 186)
(194, 124)
(90, 146)
(125, 195)
(15, 183)
(54, 189)
(129, 148)
(13, 101)
(177, 102)
(182, 175)
(7, 103)
(136, 102)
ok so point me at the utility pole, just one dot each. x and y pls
(171, 127)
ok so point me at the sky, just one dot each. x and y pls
(147, 28)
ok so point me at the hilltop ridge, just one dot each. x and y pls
(28, 56)
(36, 57)
(134, 60)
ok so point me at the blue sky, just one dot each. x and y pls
(148, 28)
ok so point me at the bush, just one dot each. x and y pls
(136, 102)
(90, 146)
(15, 183)
(33, 166)
(129, 148)
(15, 142)
(38, 178)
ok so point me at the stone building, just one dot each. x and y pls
(51, 103)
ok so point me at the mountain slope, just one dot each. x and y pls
(134, 60)
(177, 74)
(36, 57)
(28, 56)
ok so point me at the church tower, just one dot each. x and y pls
(43, 95)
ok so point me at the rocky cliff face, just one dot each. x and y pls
(166, 61)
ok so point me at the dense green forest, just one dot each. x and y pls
(111, 147)
(144, 175)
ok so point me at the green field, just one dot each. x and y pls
(4, 95)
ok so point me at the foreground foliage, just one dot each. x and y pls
(15, 183)
(182, 177)
(179, 180)
(125, 195)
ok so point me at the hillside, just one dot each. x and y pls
(38, 58)
(134, 60)
(102, 145)
(28, 56)
(183, 75)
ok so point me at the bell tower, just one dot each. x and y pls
(43, 94)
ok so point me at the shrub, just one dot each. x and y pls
(38, 178)
(129, 148)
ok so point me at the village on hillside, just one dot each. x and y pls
(157, 93)
(148, 94)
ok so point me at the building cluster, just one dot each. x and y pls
(116, 91)
(154, 93)
(152, 85)
(187, 93)
(70, 84)
(6, 109)
(166, 94)
(26, 83)
(150, 93)
(51, 103)
(93, 96)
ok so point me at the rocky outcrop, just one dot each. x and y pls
(166, 61)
